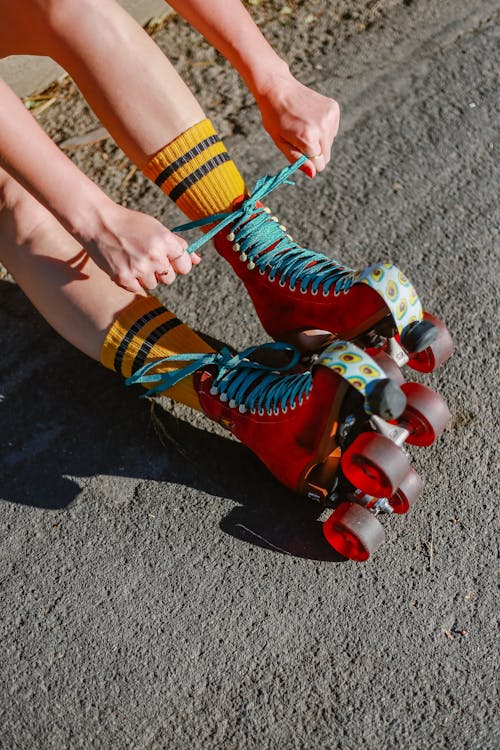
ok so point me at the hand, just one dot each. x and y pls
(136, 250)
(299, 120)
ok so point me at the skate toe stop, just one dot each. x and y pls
(419, 335)
(385, 398)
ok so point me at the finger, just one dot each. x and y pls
(195, 259)
(166, 277)
(326, 151)
(316, 155)
(292, 153)
(129, 284)
(319, 162)
(181, 263)
(148, 281)
(328, 138)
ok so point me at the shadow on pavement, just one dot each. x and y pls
(64, 419)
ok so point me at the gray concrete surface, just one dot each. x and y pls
(27, 74)
(177, 597)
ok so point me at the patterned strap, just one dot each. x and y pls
(397, 292)
(353, 364)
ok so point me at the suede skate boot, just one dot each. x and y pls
(298, 422)
(295, 290)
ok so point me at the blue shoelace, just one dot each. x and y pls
(254, 231)
(239, 381)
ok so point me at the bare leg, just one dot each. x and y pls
(75, 297)
(135, 91)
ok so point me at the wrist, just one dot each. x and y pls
(86, 219)
(265, 75)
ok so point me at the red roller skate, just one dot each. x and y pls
(295, 290)
(322, 431)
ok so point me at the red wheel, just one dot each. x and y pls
(435, 354)
(374, 464)
(353, 531)
(407, 493)
(388, 365)
(426, 414)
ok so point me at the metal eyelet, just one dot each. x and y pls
(230, 236)
(223, 397)
(242, 408)
(213, 391)
(314, 292)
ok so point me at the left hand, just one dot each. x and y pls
(300, 121)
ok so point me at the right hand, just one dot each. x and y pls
(136, 250)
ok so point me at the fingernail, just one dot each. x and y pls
(308, 170)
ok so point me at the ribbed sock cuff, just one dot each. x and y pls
(145, 331)
(196, 172)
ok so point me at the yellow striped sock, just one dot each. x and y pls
(145, 331)
(196, 172)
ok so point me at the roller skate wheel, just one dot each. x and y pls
(353, 531)
(389, 366)
(374, 464)
(407, 493)
(438, 352)
(426, 414)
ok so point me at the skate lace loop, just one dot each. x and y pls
(241, 382)
(266, 246)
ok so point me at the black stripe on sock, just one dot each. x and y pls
(133, 330)
(195, 151)
(151, 340)
(190, 180)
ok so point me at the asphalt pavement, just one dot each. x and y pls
(170, 594)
